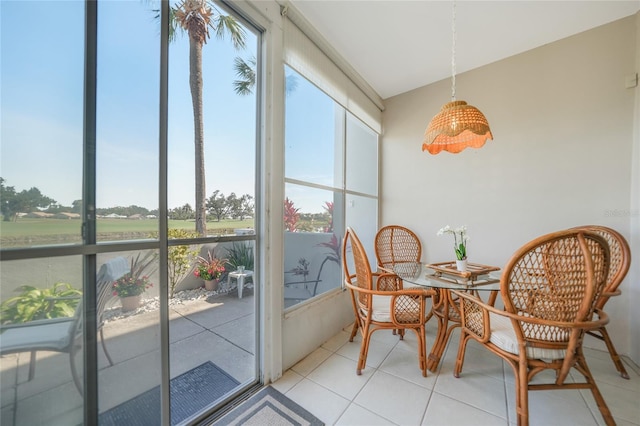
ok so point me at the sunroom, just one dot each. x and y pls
(298, 135)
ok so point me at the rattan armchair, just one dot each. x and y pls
(396, 244)
(550, 288)
(620, 262)
(378, 309)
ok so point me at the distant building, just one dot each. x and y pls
(65, 215)
(39, 215)
(115, 216)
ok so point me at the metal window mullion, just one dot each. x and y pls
(313, 185)
(89, 215)
(165, 384)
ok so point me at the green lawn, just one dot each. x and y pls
(26, 232)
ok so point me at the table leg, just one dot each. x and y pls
(240, 286)
(441, 310)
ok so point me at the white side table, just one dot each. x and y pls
(240, 276)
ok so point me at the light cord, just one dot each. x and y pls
(453, 53)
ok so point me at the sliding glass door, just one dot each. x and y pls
(106, 305)
(211, 198)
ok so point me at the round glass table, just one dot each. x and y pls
(445, 306)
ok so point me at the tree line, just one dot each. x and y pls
(218, 206)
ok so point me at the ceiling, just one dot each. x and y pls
(398, 45)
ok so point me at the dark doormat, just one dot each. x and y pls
(190, 393)
(269, 407)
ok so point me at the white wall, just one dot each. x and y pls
(563, 124)
(634, 273)
(284, 339)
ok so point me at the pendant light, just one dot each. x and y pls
(457, 125)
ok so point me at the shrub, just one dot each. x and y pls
(180, 258)
(240, 254)
(34, 303)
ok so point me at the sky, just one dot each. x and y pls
(42, 103)
(41, 110)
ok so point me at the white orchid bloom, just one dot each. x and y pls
(460, 247)
(444, 230)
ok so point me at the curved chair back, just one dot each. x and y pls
(620, 260)
(555, 278)
(397, 244)
(109, 272)
(362, 276)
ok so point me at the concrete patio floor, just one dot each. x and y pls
(220, 329)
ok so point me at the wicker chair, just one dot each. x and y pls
(550, 289)
(396, 244)
(620, 262)
(377, 309)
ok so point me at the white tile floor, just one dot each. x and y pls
(392, 391)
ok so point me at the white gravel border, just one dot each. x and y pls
(153, 304)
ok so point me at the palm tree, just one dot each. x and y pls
(196, 17)
(246, 73)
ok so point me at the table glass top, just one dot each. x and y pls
(420, 274)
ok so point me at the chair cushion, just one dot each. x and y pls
(54, 335)
(381, 308)
(504, 337)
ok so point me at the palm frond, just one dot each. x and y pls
(290, 84)
(246, 73)
(227, 24)
(174, 26)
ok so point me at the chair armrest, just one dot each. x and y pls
(53, 299)
(409, 306)
(472, 300)
(412, 302)
(617, 292)
(387, 281)
(474, 315)
(35, 323)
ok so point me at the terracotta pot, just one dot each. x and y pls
(211, 285)
(130, 303)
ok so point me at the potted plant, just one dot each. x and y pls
(210, 270)
(240, 254)
(34, 303)
(460, 239)
(131, 285)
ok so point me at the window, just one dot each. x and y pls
(61, 157)
(41, 127)
(331, 175)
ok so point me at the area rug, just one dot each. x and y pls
(269, 408)
(190, 393)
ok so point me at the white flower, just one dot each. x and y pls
(459, 246)
(444, 230)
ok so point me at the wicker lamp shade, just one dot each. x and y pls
(456, 127)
